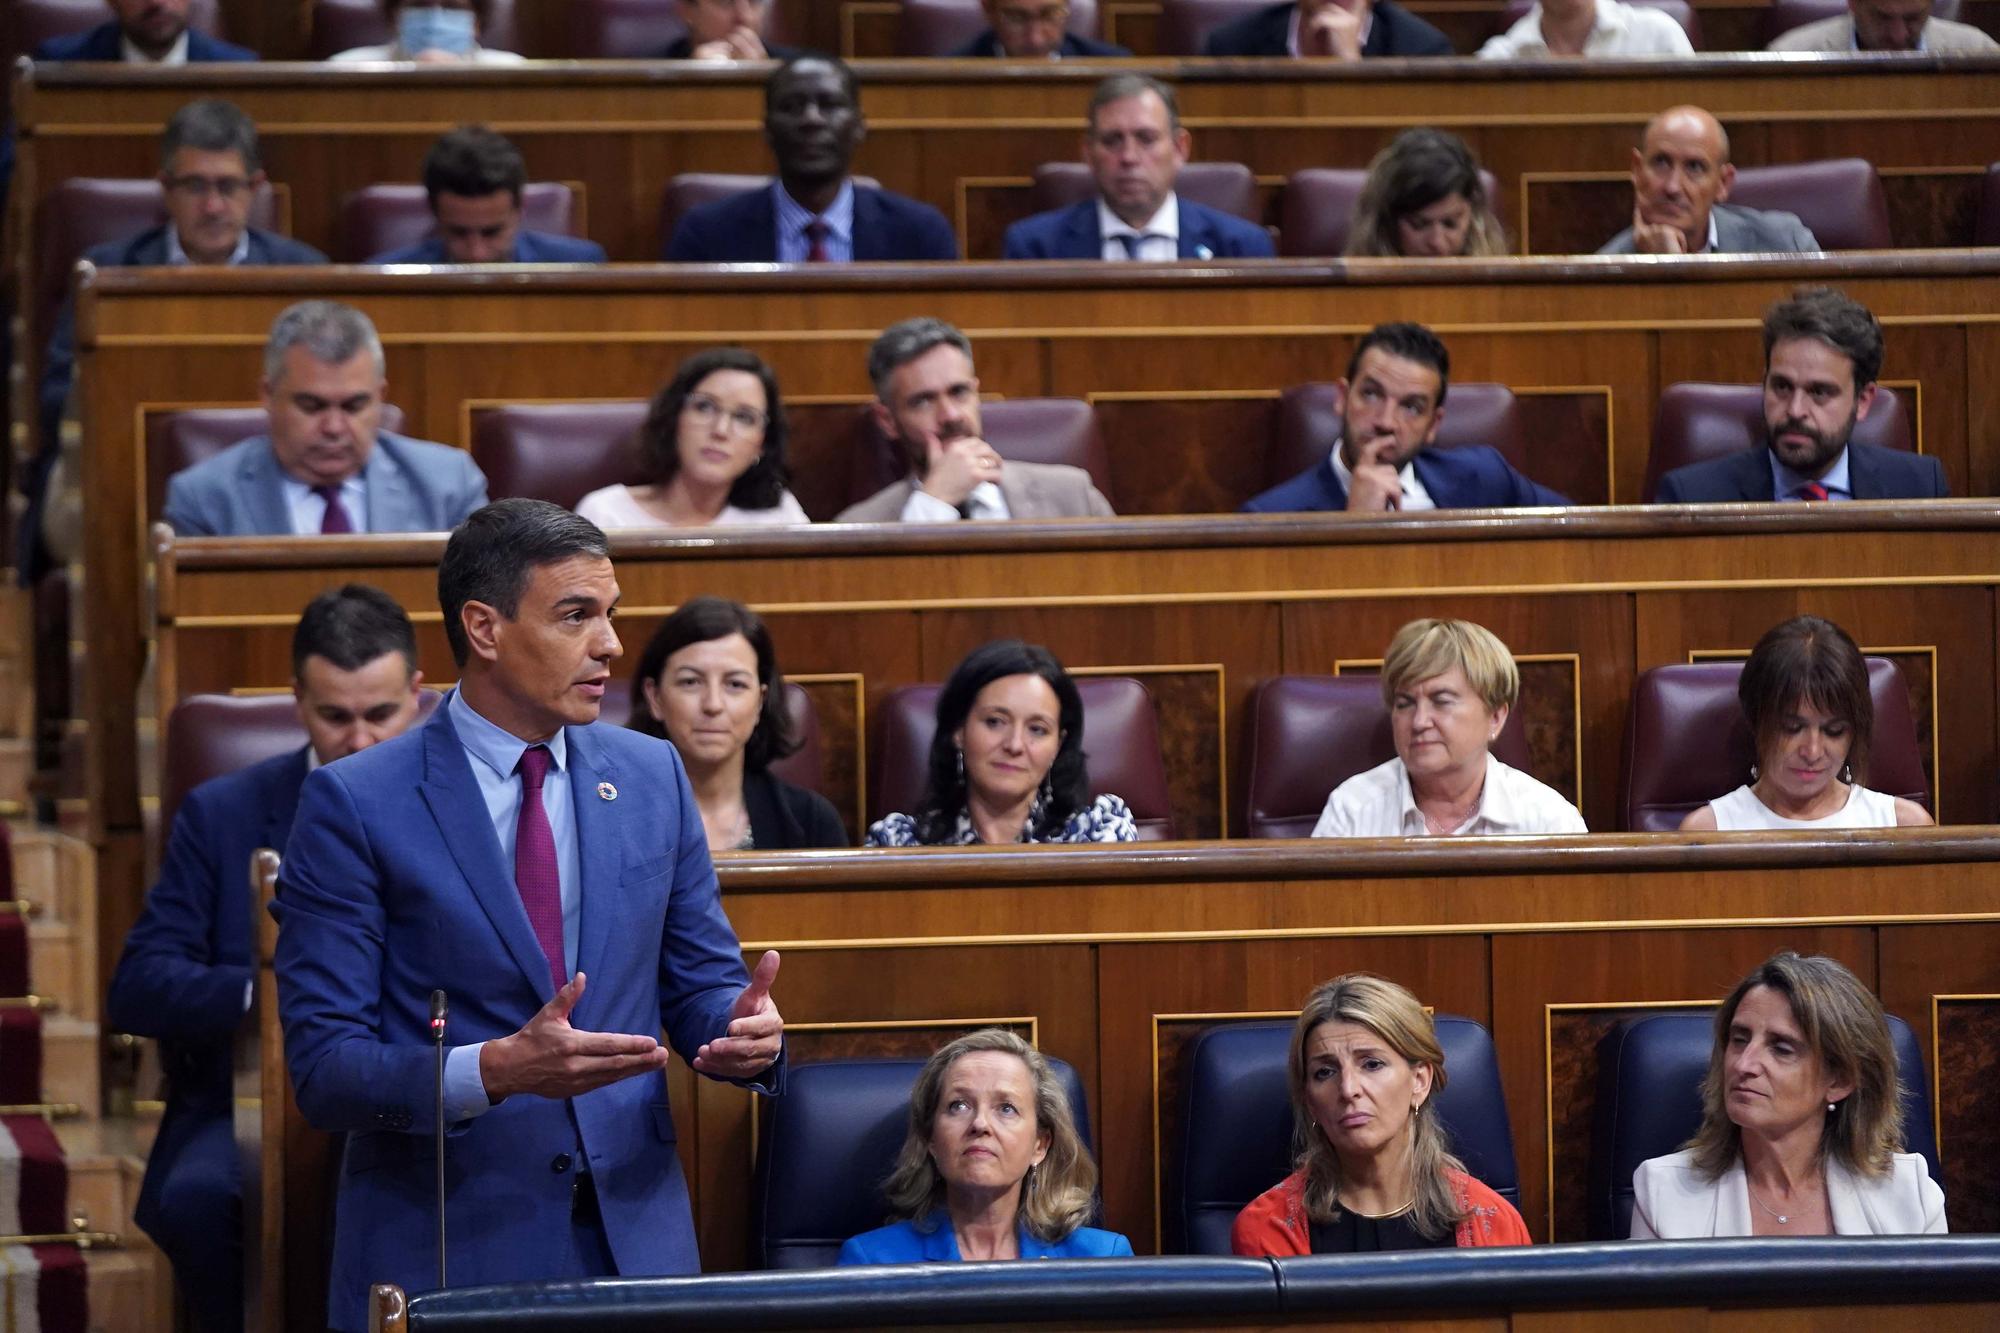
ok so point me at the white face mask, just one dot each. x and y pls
(422, 28)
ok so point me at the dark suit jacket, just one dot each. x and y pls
(1873, 473)
(102, 43)
(743, 229)
(1395, 32)
(785, 817)
(683, 49)
(1472, 477)
(530, 247)
(1072, 233)
(987, 46)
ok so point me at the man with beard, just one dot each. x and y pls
(1391, 404)
(1822, 353)
(814, 213)
(928, 402)
(143, 32)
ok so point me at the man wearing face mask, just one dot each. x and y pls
(1822, 353)
(433, 32)
(1391, 405)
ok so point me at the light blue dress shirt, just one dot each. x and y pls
(793, 218)
(1785, 483)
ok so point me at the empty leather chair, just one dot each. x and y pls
(178, 440)
(1184, 25)
(1236, 1125)
(1121, 742)
(1649, 1073)
(559, 452)
(801, 768)
(1309, 734)
(1986, 225)
(691, 189)
(1027, 430)
(342, 25)
(1308, 426)
(1839, 198)
(1686, 742)
(1784, 15)
(1317, 215)
(941, 27)
(1228, 187)
(1680, 11)
(831, 1141)
(1694, 423)
(381, 218)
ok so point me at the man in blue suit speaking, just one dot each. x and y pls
(1391, 404)
(473, 179)
(552, 877)
(1135, 147)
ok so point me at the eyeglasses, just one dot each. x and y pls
(742, 420)
(228, 188)
(1048, 15)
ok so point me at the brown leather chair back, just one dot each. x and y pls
(1680, 11)
(1686, 742)
(1694, 423)
(1308, 426)
(1121, 744)
(1185, 24)
(691, 189)
(342, 25)
(380, 218)
(1840, 198)
(1025, 430)
(29, 23)
(1784, 15)
(1309, 734)
(178, 440)
(802, 767)
(559, 452)
(1229, 187)
(940, 27)
(1986, 226)
(1318, 212)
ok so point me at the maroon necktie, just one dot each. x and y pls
(816, 232)
(337, 518)
(1812, 490)
(535, 863)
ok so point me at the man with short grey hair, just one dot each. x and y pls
(326, 465)
(928, 402)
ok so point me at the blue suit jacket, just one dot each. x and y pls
(906, 1243)
(102, 43)
(1874, 473)
(1071, 233)
(1470, 477)
(530, 247)
(393, 884)
(413, 486)
(743, 229)
(986, 46)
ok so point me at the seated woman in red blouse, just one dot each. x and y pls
(1375, 1172)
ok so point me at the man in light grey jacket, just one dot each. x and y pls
(1680, 176)
(1887, 25)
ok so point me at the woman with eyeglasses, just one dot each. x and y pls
(714, 452)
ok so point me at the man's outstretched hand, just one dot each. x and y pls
(756, 1030)
(549, 1058)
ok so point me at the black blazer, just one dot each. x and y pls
(786, 818)
(743, 229)
(1873, 473)
(986, 46)
(1395, 32)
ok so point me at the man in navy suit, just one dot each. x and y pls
(813, 212)
(1331, 29)
(326, 466)
(473, 178)
(1822, 353)
(552, 877)
(143, 32)
(1135, 147)
(186, 971)
(1391, 404)
(1033, 30)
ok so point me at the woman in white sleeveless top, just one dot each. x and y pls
(1805, 695)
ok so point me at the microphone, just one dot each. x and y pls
(439, 1011)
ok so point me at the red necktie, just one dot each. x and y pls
(817, 232)
(1812, 490)
(337, 519)
(535, 863)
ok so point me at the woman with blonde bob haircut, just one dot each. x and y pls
(992, 1167)
(1801, 1120)
(1449, 685)
(1375, 1170)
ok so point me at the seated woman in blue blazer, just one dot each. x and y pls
(992, 1167)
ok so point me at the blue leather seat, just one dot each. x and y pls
(1236, 1139)
(831, 1141)
(1649, 1073)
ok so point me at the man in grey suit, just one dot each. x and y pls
(326, 465)
(1680, 176)
(928, 401)
(1887, 25)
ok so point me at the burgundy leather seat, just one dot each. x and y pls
(1121, 744)
(1318, 211)
(1185, 24)
(940, 27)
(1309, 734)
(801, 768)
(691, 189)
(1840, 198)
(1784, 15)
(380, 218)
(1686, 742)
(1025, 430)
(179, 440)
(1229, 187)
(1986, 226)
(1698, 422)
(342, 25)
(1308, 427)
(1680, 11)
(559, 452)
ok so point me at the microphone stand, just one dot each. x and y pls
(438, 1015)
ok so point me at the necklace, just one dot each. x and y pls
(1784, 1219)
(1378, 1217)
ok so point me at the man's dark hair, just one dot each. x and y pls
(701, 620)
(350, 626)
(473, 162)
(902, 343)
(1832, 317)
(211, 125)
(840, 67)
(1121, 86)
(492, 553)
(1410, 342)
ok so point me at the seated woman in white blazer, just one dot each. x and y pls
(1801, 1121)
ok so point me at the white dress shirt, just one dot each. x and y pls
(1160, 238)
(986, 503)
(308, 507)
(177, 54)
(1380, 804)
(1414, 494)
(1620, 30)
(615, 506)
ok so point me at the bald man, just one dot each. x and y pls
(1680, 176)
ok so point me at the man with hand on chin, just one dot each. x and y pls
(552, 877)
(1681, 174)
(1329, 29)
